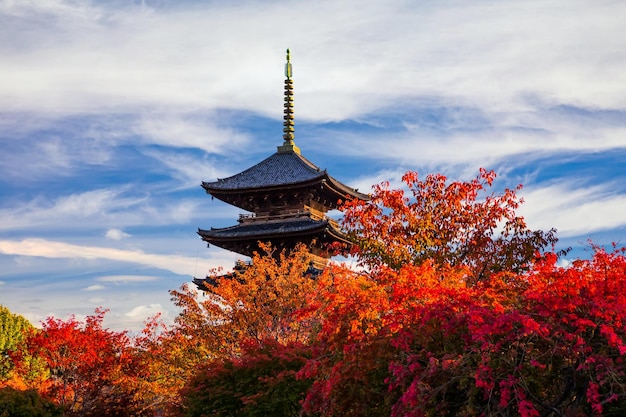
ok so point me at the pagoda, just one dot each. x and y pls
(287, 197)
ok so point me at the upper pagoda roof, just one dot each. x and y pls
(277, 171)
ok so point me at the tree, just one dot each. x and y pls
(447, 222)
(549, 342)
(261, 382)
(421, 341)
(12, 343)
(88, 365)
(256, 304)
(360, 315)
(16, 403)
(12, 327)
(253, 308)
(451, 318)
(167, 360)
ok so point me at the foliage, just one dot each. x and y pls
(12, 328)
(89, 365)
(456, 223)
(254, 305)
(165, 362)
(16, 403)
(548, 342)
(420, 341)
(361, 313)
(261, 382)
(436, 328)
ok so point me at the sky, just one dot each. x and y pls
(113, 112)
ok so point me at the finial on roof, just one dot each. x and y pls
(288, 130)
(288, 65)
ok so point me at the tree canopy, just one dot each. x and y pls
(454, 222)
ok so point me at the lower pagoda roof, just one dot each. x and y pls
(243, 238)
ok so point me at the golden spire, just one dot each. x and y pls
(288, 130)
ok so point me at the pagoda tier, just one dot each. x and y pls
(285, 179)
(283, 232)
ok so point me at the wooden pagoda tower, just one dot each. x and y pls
(287, 197)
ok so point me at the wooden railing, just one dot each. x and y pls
(250, 217)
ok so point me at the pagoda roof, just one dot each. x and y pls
(257, 230)
(283, 169)
(277, 171)
(253, 232)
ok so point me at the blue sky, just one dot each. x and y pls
(112, 113)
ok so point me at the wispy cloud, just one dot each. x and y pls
(116, 234)
(127, 278)
(96, 287)
(108, 208)
(190, 170)
(492, 143)
(188, 131)
(573, 208)
(52, 249)
(144, 311)
(71, 209)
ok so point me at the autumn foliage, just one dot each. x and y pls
(456, 308)
(88, 366)
(457, 223)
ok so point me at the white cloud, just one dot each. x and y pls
(190, 170)
(51, 249)
(488, 148)
(69, 210)
(573, 208)
(127, 278)
(144, 311)
(90, 203)
(137, 316)
(116, 234)
(188, 132)
(103, 208)
(94, 288)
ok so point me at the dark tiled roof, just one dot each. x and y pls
(278, 169)
(259, 229)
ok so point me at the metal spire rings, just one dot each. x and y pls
(288, 124)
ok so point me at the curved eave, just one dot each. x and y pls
(270, 231)
(324, 186)
(344, 190)
(279, 172)
(219, 192)
(333, 185)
